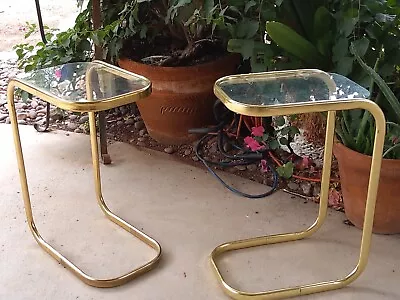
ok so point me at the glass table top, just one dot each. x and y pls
(85, 82)
(285, 87)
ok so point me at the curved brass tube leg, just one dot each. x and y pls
(111, 282)
(287, 237)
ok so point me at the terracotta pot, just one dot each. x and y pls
(182, 97)
(354, 172)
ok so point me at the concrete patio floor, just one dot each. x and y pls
(182, 207)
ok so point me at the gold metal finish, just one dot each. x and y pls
(91, 107)
(330, 106)
(87, 106)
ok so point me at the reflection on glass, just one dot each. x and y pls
(270, 90)
(72, 82)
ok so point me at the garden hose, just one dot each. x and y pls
(247, 158)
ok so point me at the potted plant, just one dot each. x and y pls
(338, 36)
(181, 47)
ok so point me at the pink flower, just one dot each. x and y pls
(252, 143)
(58, 73)
(257, 131)
(264, 166)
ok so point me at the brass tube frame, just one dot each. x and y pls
(331, 107)
(91, 108)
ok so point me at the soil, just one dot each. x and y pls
(167, 53)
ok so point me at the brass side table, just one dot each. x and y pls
(293, 92)
(82, 87)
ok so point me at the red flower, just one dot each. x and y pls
(58, 73)
(252, 144)
(257, 131)
(264, 166)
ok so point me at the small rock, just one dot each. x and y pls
(139, 125)
(83, 119)
(123, 110)
(143, 132)
(240, 168)
(306, 188)
(195, 158)
(213, 148)
(138, 118)
(293, 186)
(40, 107)
(187, 152)
(8, 121)
(32, 114)
(22, 116)
(72, 117)
(169, 150)
(316, 190)
(141, 139)
(130, 121)
(251, 167)
(141, 144)
(3, 117)
(120, 123)
(34, 104)
(72, 126)
(22, 122)
(20, 105)
(56, 116)
(78, 130)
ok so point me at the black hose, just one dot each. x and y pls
(238, 160)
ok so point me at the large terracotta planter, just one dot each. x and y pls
(354, 175)
(182, 97)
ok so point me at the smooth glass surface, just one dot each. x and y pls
(82, 82)
(293, 88)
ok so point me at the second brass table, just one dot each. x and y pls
(82, 87)
(293, 92)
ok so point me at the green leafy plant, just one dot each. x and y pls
(72, 45)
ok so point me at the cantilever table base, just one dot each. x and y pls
(113, 99)
(241, 94)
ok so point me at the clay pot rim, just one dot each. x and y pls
(220, 59)
(365, 156)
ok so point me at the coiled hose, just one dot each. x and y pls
(224, 117)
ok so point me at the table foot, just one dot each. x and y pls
(110, 282)
(294, 236)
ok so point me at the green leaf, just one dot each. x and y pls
(346, 27)
(340, 49)
(361, 46)
(322, 22)
(293, 131)
(286, 171)
(244, 47)
(280, 121)
(208, 7)
(25, 96)
(249, 5)
(345, 65)
(295, 44)
(284, 141)
(273, 144)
